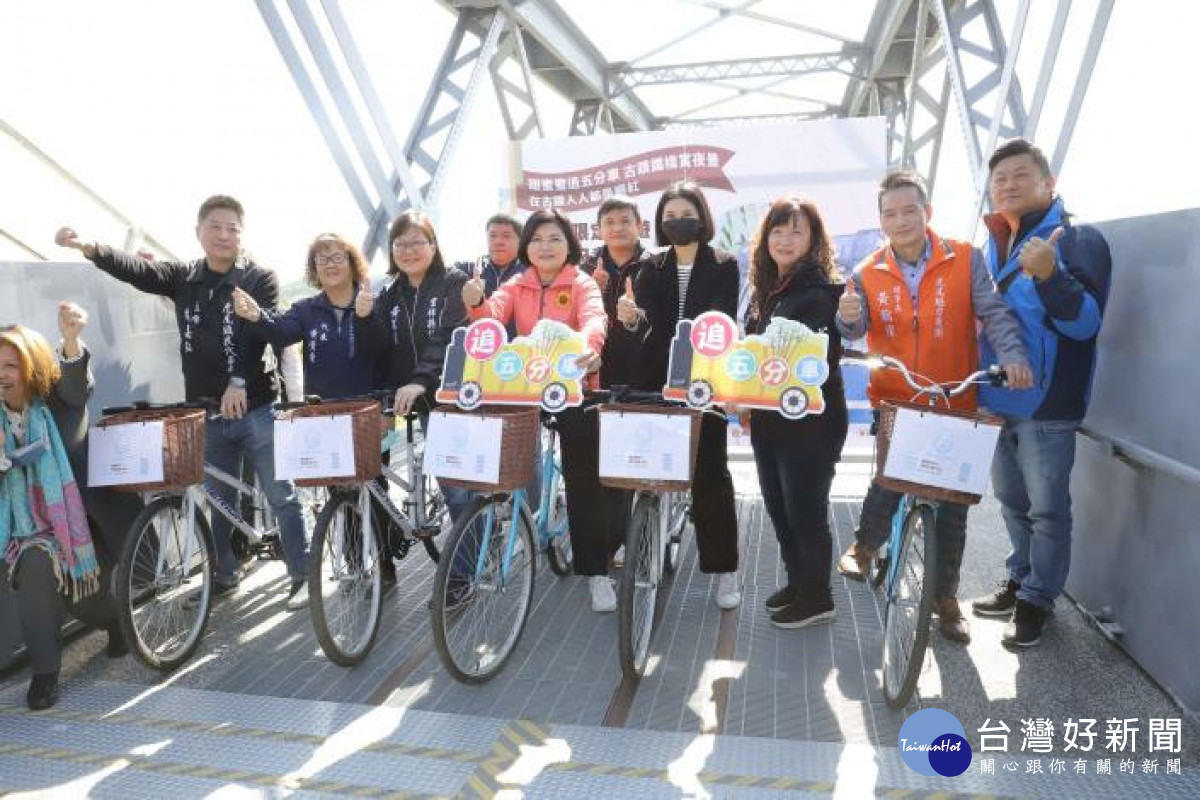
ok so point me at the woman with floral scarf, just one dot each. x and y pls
(45, 538)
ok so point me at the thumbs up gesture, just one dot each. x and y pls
(364, 302)
(600, 275)
(1039, 256)
(627, 309)
(245, 306)
(474, 290)
(850, 304)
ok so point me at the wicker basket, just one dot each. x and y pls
(183, 446)
(694, 443)
(367, 426)
(887, 423)
(518, 446)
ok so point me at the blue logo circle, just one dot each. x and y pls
(568, 368)
(741, 365)
(812, 370)
(508, 365)
(933, 742)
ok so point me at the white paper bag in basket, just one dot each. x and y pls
(943, 451)
(120, 455)
(463, 447)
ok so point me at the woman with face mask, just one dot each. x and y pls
(687, 279)
(58, 537)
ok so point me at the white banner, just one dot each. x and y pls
(463, 447)
(120, 455)
(314, 447)
(645, 446)
(943, 451)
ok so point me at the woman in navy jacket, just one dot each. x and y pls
(793, 275)
(334, 326)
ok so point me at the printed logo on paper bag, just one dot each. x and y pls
(540, 369)
(782, 369)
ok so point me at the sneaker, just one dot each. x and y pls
(618, 559)
(729, 590)
(604, 596)
(1025, 630)
(999, 604)
(297, 596)
(224, 586)
(43, 691)
(856, 561)
(116, 642)
(950, 620)
(781, 599)
(803, 613)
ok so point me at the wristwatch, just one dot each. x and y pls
(236, 383)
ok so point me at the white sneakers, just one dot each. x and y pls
(604, 596)
(729, 590)
(297, 596)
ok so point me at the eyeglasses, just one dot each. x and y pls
(332, 258)
(415, 244)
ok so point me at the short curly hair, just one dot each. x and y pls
(358, 264)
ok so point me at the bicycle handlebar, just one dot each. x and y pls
(207, 403)
(624, 394)
(993, 375)
(383, 396)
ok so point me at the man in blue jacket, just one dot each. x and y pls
(1055, 277)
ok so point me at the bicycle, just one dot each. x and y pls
(483, 588)
(661, 511)
(347, 557)
(907, 562)
(163, 577)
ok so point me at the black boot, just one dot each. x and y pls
(43, 691)
(116, 642)
(1025, 630)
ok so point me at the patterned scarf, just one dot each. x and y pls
(40, 506)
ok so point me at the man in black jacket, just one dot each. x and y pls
(615, 268)
(221, 359)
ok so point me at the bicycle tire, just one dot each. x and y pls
(558, 550)
(637, 596)
(162, 608)
(345, 580)
(680, 508)
(909, 607)
(473, 635)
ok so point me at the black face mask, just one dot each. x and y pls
(682, 231)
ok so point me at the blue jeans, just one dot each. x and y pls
(227, 442)
(1031, 475)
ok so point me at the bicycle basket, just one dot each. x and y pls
(182, 445)
(518, 439)
(367, 427)
(632, 468)
(929, 417)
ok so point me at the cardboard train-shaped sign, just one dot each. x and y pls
(781, 369)
(482, 366)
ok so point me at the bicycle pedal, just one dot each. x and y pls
(427, 531)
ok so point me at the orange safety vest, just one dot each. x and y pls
(939, 341)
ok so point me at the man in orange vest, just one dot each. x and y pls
(921, 297)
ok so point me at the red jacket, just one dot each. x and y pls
(573, 298)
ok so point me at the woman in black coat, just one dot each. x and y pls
(686, 280)
(32, 374)
(793, 275)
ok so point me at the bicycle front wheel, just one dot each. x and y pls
(164, 583)
(909, 607)
(638, 592)
(484, 588)
(345, 580)
(679, 505)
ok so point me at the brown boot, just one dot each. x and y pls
(951, 622)
(856, 561)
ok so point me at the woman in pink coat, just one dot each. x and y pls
(555, 288)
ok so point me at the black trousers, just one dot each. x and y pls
(596, 514)
(40, 606)
(875, 524)
(796, 462)
(714, 515)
